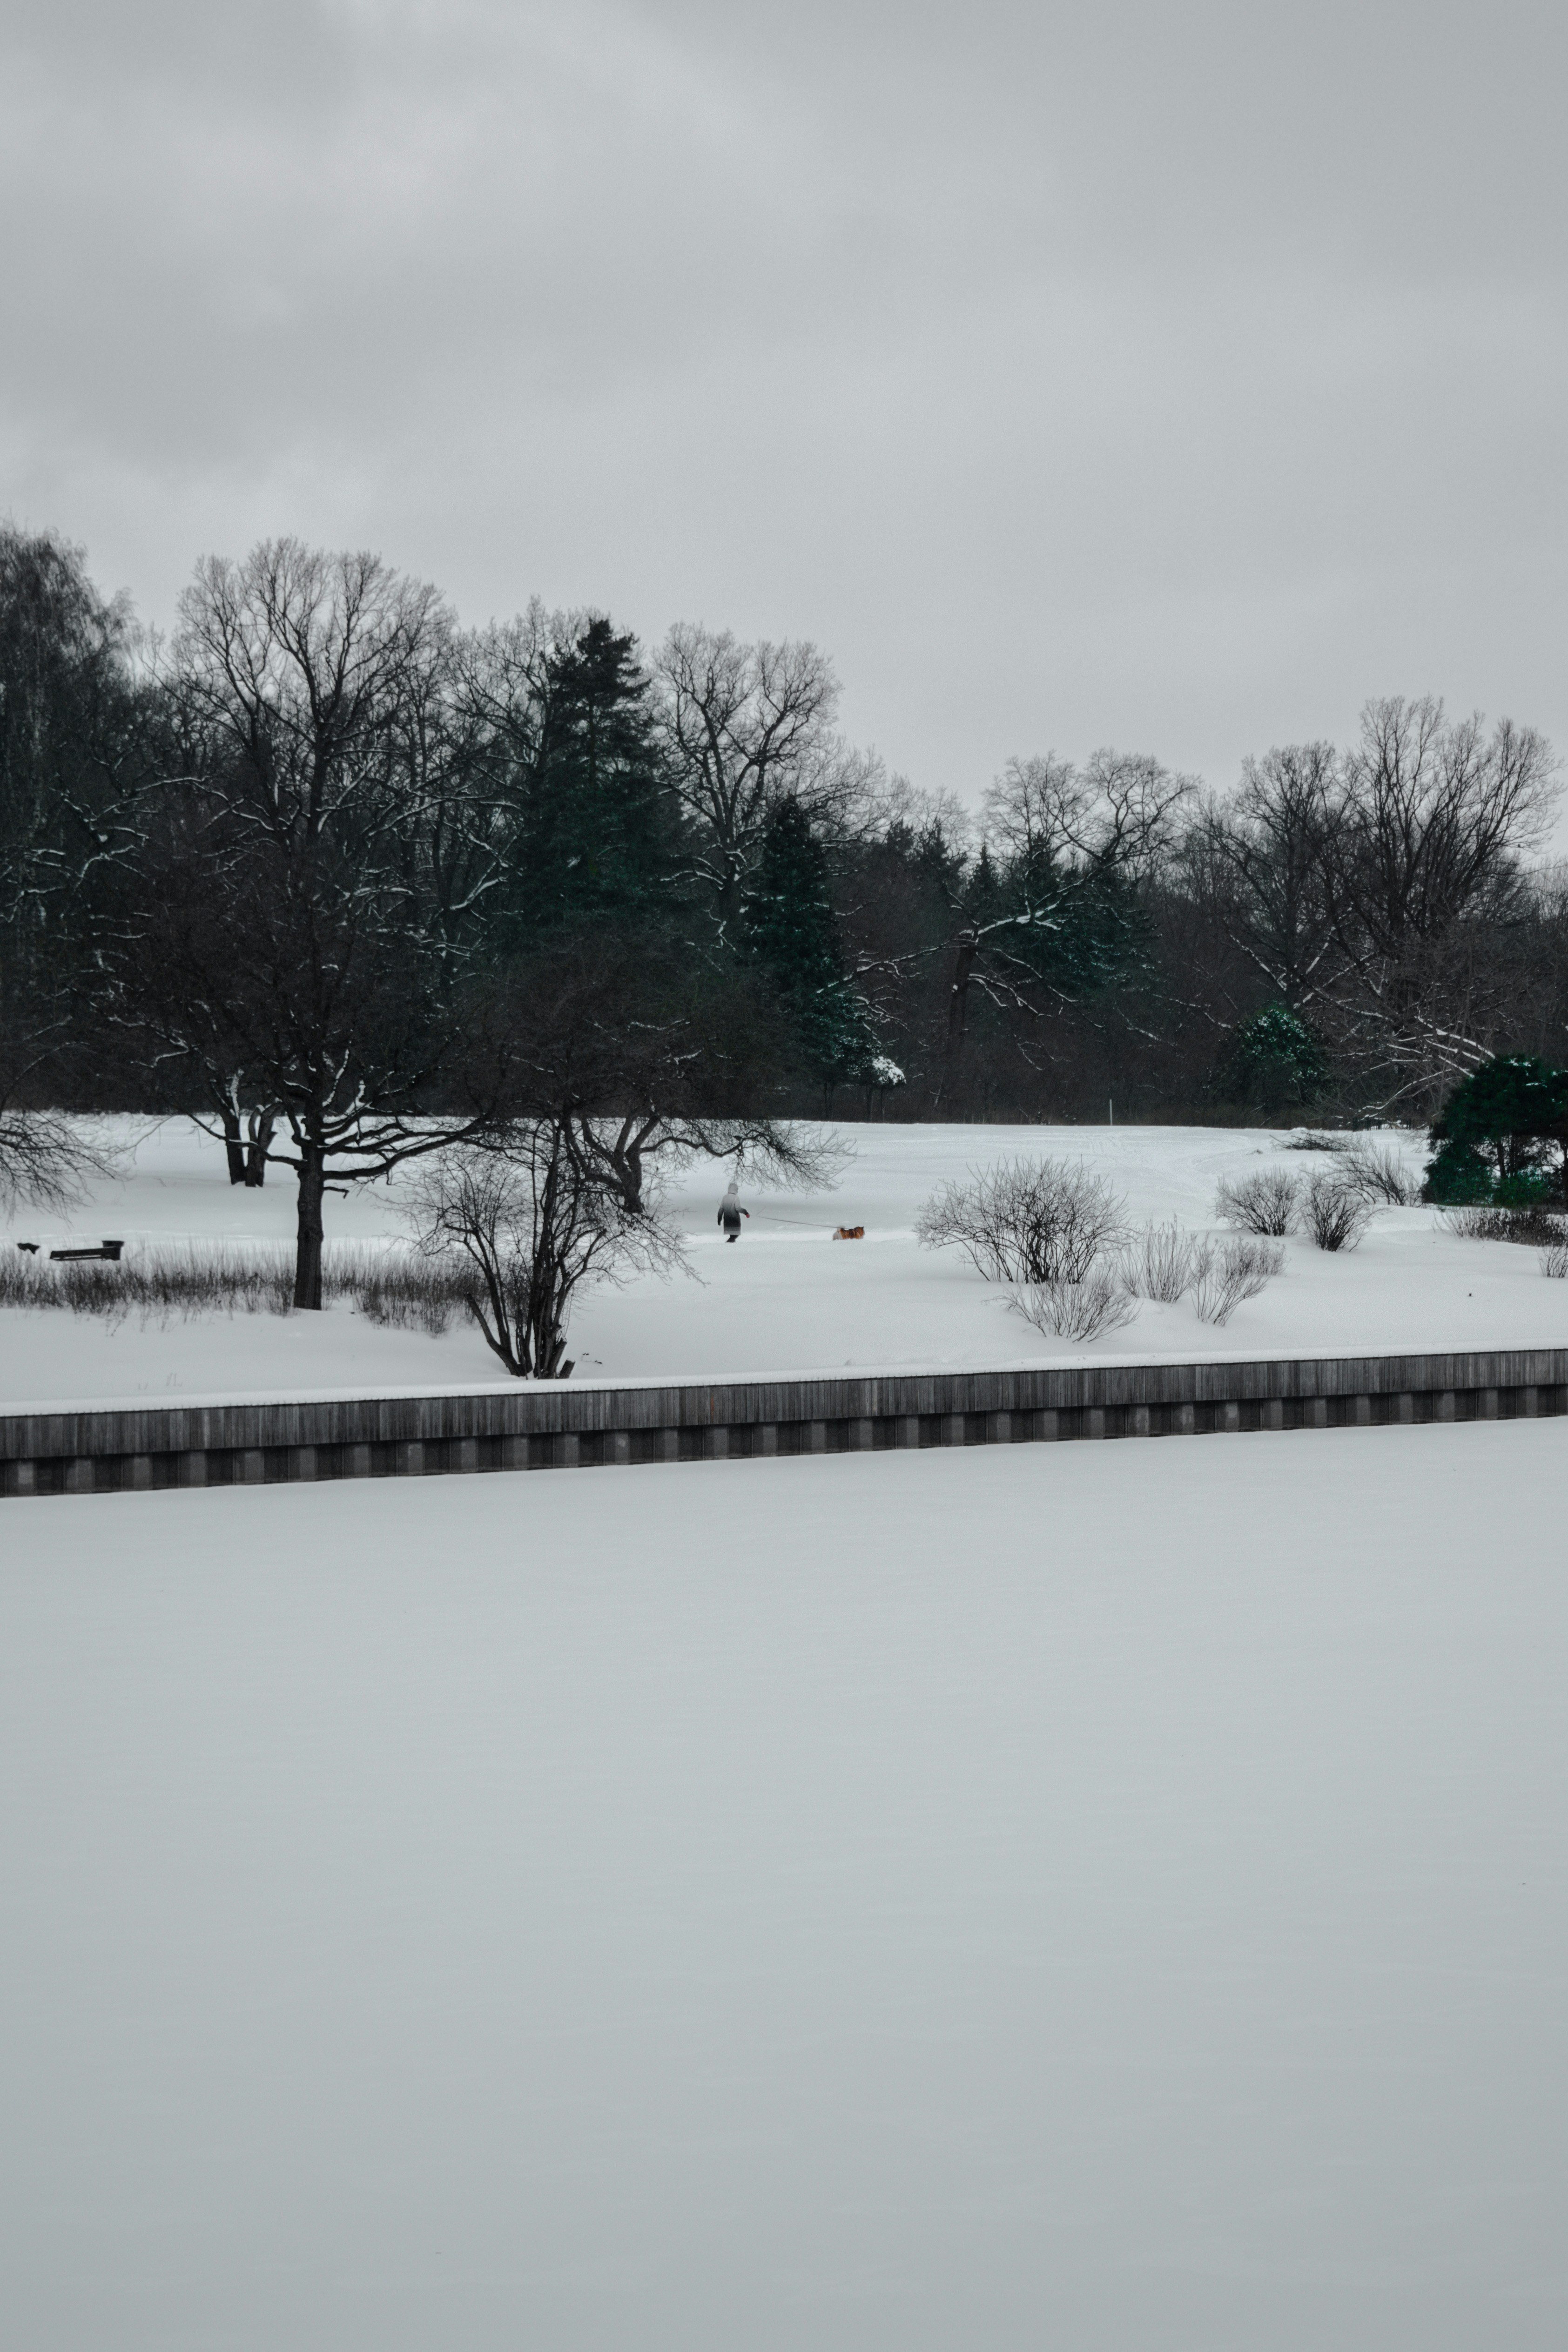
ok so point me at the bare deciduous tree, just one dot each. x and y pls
(1273, 843)
(746, 727)
(47, 1161)
(1075, 842)
(299, 667)
(287, 954)
(650, 1060)
(790, 1155)
(1437, 817)
(1375, 892)
(537, 1228)
(1120, 809)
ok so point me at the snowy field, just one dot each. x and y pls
(1112, 1897)
(787, 1298)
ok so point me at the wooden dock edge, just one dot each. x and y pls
(147, 1448)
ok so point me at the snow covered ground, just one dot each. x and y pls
(787, 1298)
(1112, 1897)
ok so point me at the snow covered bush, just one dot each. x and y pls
(1266, 1203)
(1554, 1261)
(1160, 1264)
(1043, 1221)
(1100, 1301)
(1228, 1271)
(1336, 1217)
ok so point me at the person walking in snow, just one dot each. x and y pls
(730, 1214)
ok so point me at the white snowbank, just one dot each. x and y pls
(1088, 1896)
(787, 1298)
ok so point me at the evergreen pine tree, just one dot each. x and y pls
(600, 836)
(1274, 1063)
(1495, 1133)
(791, 934)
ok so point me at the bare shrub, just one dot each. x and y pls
(1160, 1264)
(1268, 1203)
(1099, 1301)
(1554, 1261)
(1026, 1222)
(536, 1225)
(1228, 1271)
(1336, 1218)
(1535, 1228)
(1377, 1174)
(1375, 1171)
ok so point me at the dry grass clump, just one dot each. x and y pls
(1554, 1261)
(164, 1280)
(397, 1288)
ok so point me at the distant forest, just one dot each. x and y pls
(326, 856)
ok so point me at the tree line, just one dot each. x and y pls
(346, 879)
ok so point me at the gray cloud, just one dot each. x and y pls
(1175, 377)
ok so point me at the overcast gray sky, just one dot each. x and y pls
(1168, 376)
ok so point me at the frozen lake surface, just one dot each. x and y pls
(787, 1298)
(1090, 1896)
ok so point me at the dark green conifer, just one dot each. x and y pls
(598, 837)
(1495, 1134)
(1274, 1063)
(791, 934)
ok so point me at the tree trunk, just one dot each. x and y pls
(308, 1246)
(966, 949)
(233, 1144)
(262, 1125)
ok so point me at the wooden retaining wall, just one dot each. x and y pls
(570, 1427)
